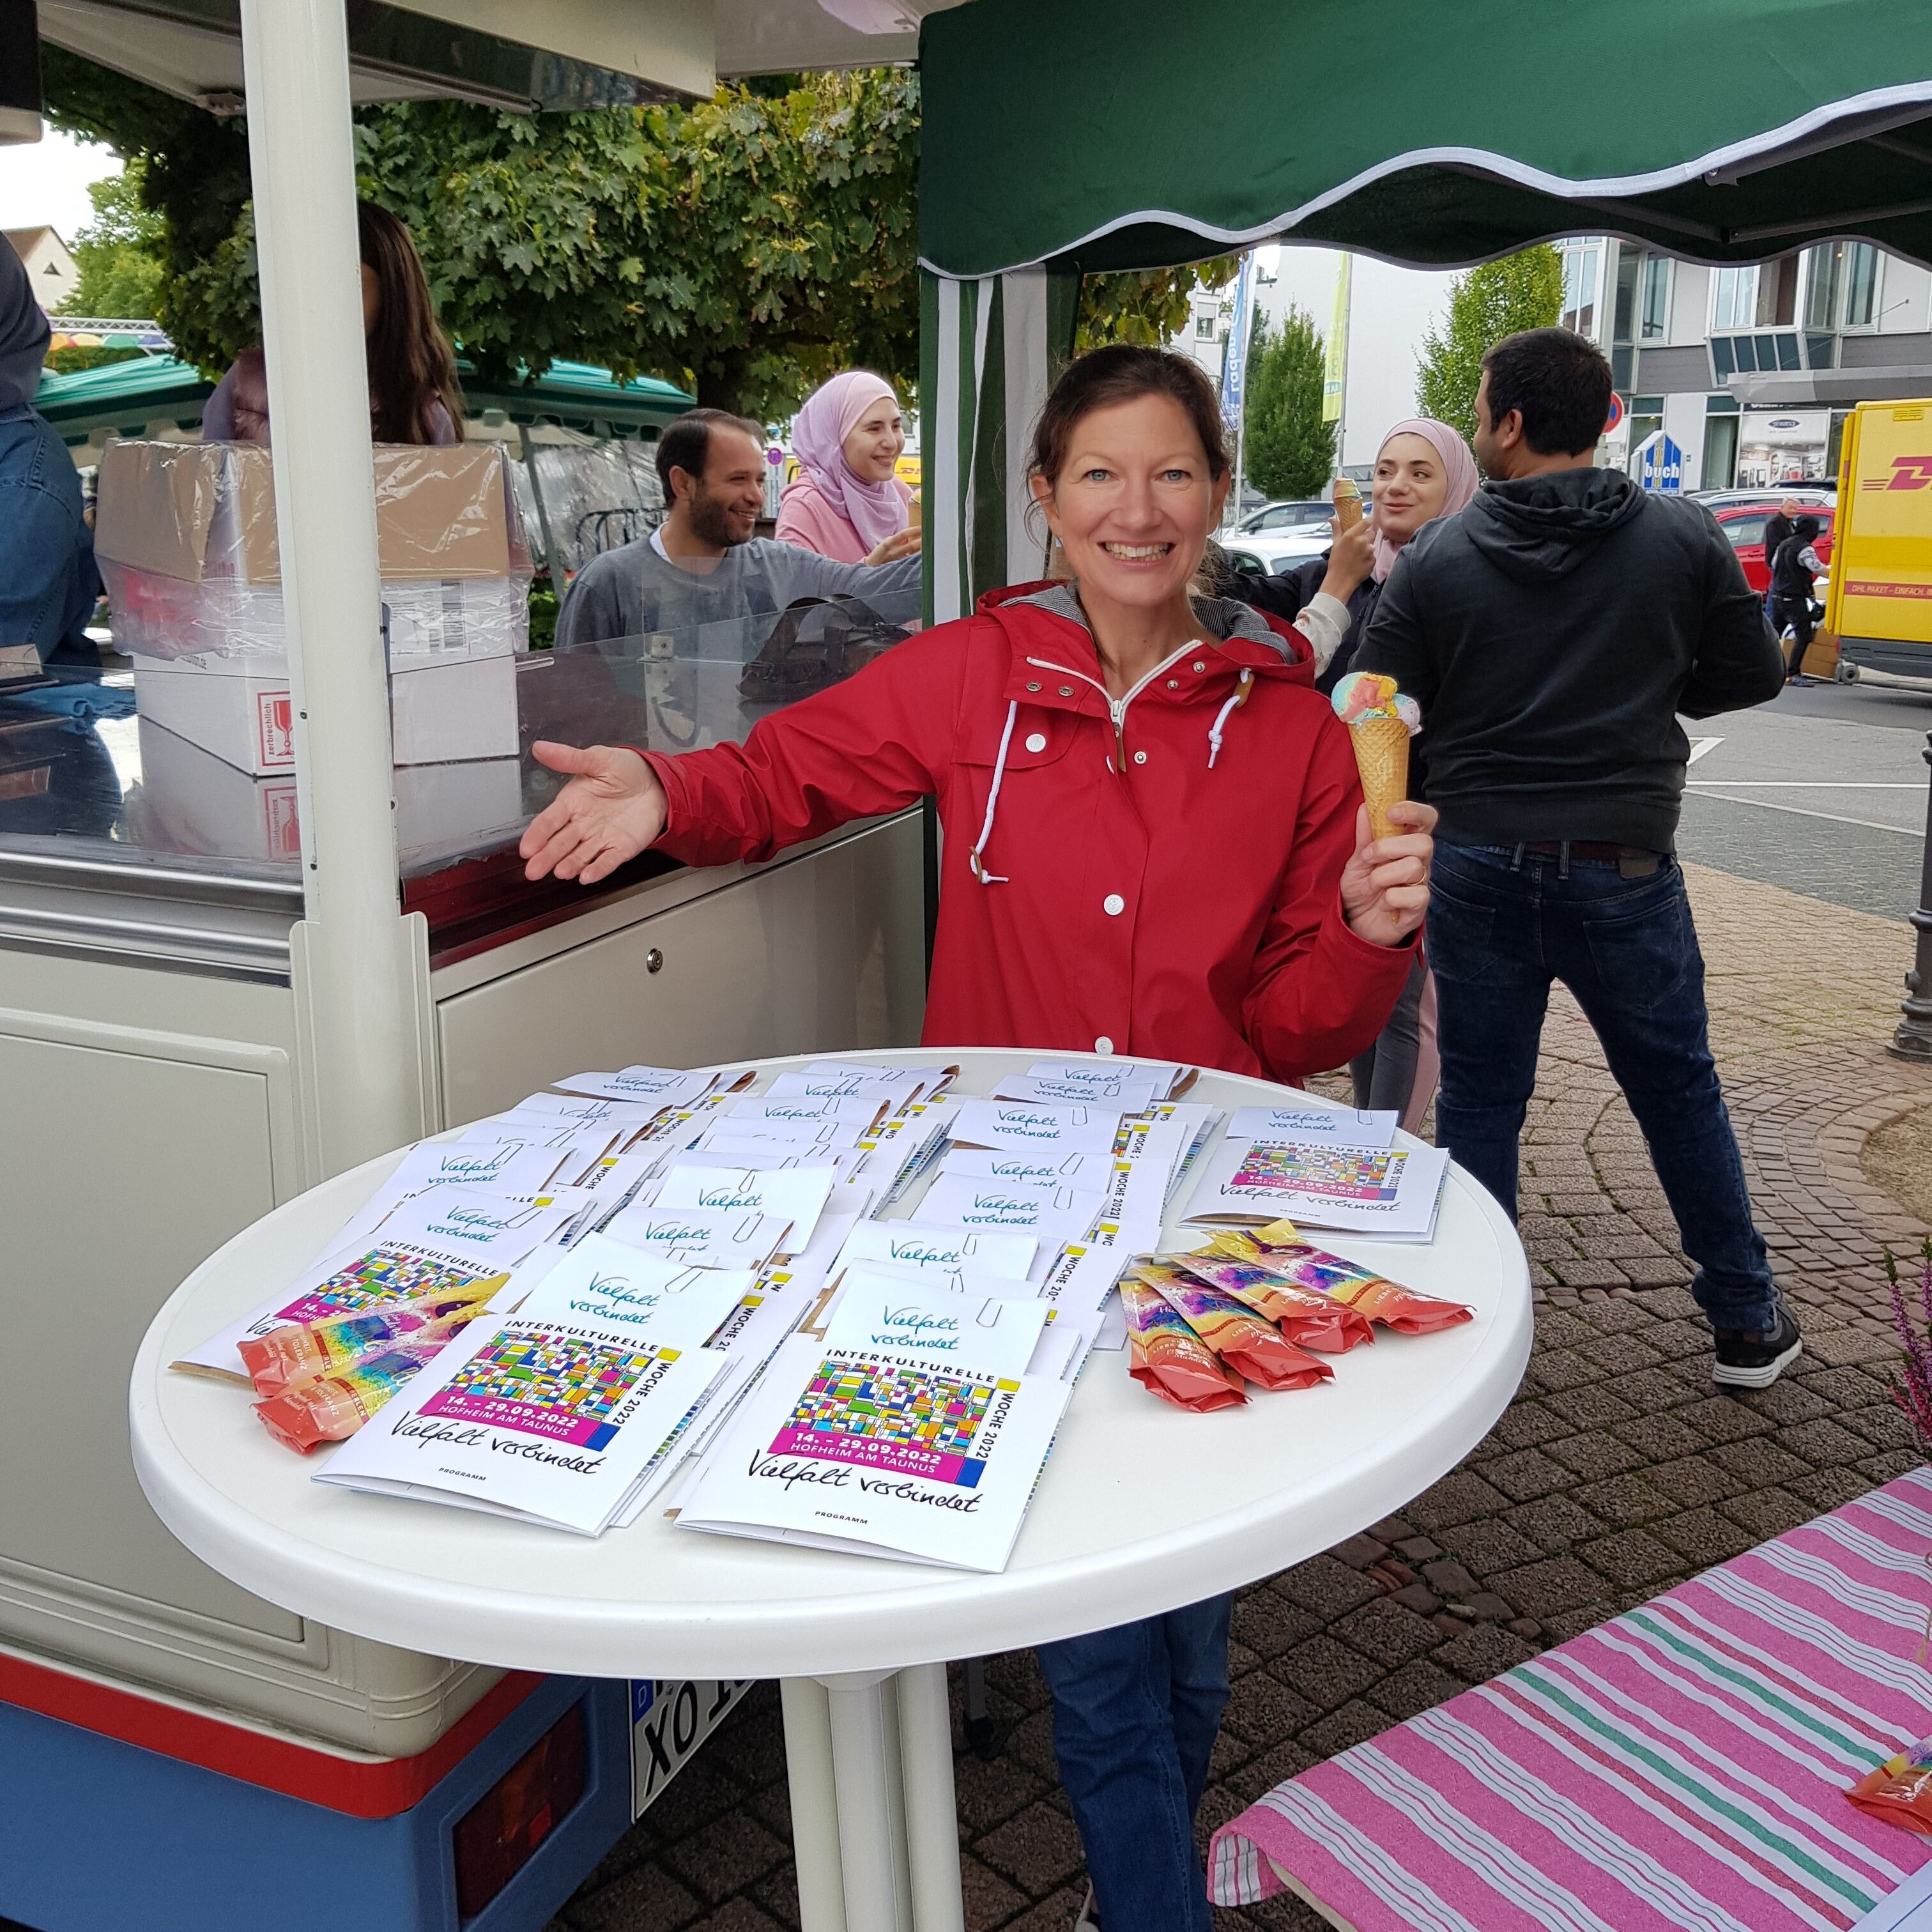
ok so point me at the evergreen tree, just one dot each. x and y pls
(1522, 291)
(1290, 451)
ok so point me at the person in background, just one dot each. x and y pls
(1552, 635)
(704, 565)
(1423, 470)
(847, 502)
(1154, 845)
(48, 582)
(1778, 526)
(413, 393)
(1792, 569)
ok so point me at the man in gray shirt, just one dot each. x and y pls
(705, 568)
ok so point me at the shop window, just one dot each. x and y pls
(1656, 297)
(1623, 325)
(1777, 292)
(1204, 326)
(1824, 284)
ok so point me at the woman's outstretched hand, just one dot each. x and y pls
(612, 809)
(1385, 885)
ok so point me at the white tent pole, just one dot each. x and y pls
(358, 1001)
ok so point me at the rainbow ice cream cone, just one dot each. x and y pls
(1381, 722)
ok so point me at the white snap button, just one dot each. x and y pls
(1103, 1045)
(1140, 757)
(1036, 741)
(1113, 905)
(1198, 665)
(1174, 684)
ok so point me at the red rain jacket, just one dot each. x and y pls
(1165, 887)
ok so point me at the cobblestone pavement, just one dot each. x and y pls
(1617, 1471)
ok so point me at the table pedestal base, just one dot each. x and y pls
(869, 1757)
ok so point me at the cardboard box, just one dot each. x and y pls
(225, 626)
(202, 805)
(438, 712)
(192, 511)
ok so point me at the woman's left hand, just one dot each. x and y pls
(1385, 885)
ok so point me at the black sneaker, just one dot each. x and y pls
(1755, 1361)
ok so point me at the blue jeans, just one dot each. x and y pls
(1501, 926)
(1135, 1713)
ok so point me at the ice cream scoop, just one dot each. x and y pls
(1381, 722)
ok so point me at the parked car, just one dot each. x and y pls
(1826, 494)
(1285, 516)
(1743, 524)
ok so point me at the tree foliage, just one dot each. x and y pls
(747, 245)
(120, 272)
(1289, 450)
(1148, 306)
(1521, 291)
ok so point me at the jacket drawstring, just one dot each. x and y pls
(974, 862)
(1243, 687)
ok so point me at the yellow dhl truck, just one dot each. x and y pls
(1880, 607)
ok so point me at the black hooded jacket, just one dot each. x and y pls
(1552, 634)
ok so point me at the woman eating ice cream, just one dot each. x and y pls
(1155, 845)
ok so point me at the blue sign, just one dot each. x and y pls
(1234, 355)
(1660, 463)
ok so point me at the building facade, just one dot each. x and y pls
(53, 271)
(1749, 371)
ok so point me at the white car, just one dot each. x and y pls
(1280, 534)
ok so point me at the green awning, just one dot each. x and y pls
(128, 397)
(1105, 134)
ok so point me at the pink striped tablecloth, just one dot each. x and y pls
(1683, 1766)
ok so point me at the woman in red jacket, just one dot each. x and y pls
(1155, 845)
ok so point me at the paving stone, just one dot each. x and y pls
(1415, 1687)
(1387, 1632)
(1722, 1418)
(1359, 1552)
(1593, 1407)
(1767, 1512)
(1555, 1523)
(1268, 1622)
(1525, 1424)
(1702, 1537)
(1481, 1653)
(1461, 1497)
(1632, 1558)
(1693, 1481)
(1759, 1461)
(1594, 1455)
(1326, 1586)
(1261, 1708)
(1486, 1546)
(1354, 1724)
(1526, 1474)
(1557, 1583)
(1325, 1672)
(1624, 1501)
(1037, 1850)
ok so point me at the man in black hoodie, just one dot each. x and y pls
(1552, 634)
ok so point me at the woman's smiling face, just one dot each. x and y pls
(1134, 501)
(1411, 486)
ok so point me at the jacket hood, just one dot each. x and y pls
(1540, 527)
(1251, 637)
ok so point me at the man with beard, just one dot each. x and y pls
(704, 567)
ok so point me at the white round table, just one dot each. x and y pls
(1142, 1508)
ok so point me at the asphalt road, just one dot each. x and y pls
(1823, 791)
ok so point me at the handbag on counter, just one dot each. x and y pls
(817, 642)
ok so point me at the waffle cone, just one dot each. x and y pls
(1347, 505)
(1382, 757)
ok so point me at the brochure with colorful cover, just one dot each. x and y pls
(515, 1170)
(438, 1244)
(1108, 1087)
(1053, 1214)
(716, 1237)
(1012, 1124)
(997, 1333)
(1043, 1168)
(1392, 1193)
(883, 1447)
(1079, 1289)
(1316, 1126)
(941, 1251)
(548, 1415)
(656, 1087)
(796, 1195)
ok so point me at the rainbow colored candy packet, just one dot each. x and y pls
(1244, 1341)
(1165, 1355)
(1279, 1249)
(1306, 1318)
(327, 1408)
(300, 1350)
(1900, 1790)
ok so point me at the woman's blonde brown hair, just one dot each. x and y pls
(411, 366)
(1123, 372)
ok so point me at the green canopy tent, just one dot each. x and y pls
(139, 396)
(1105, 134)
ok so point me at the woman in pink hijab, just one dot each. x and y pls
(1423, 470)
(846, 501)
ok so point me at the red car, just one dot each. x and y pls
(1743, 524)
